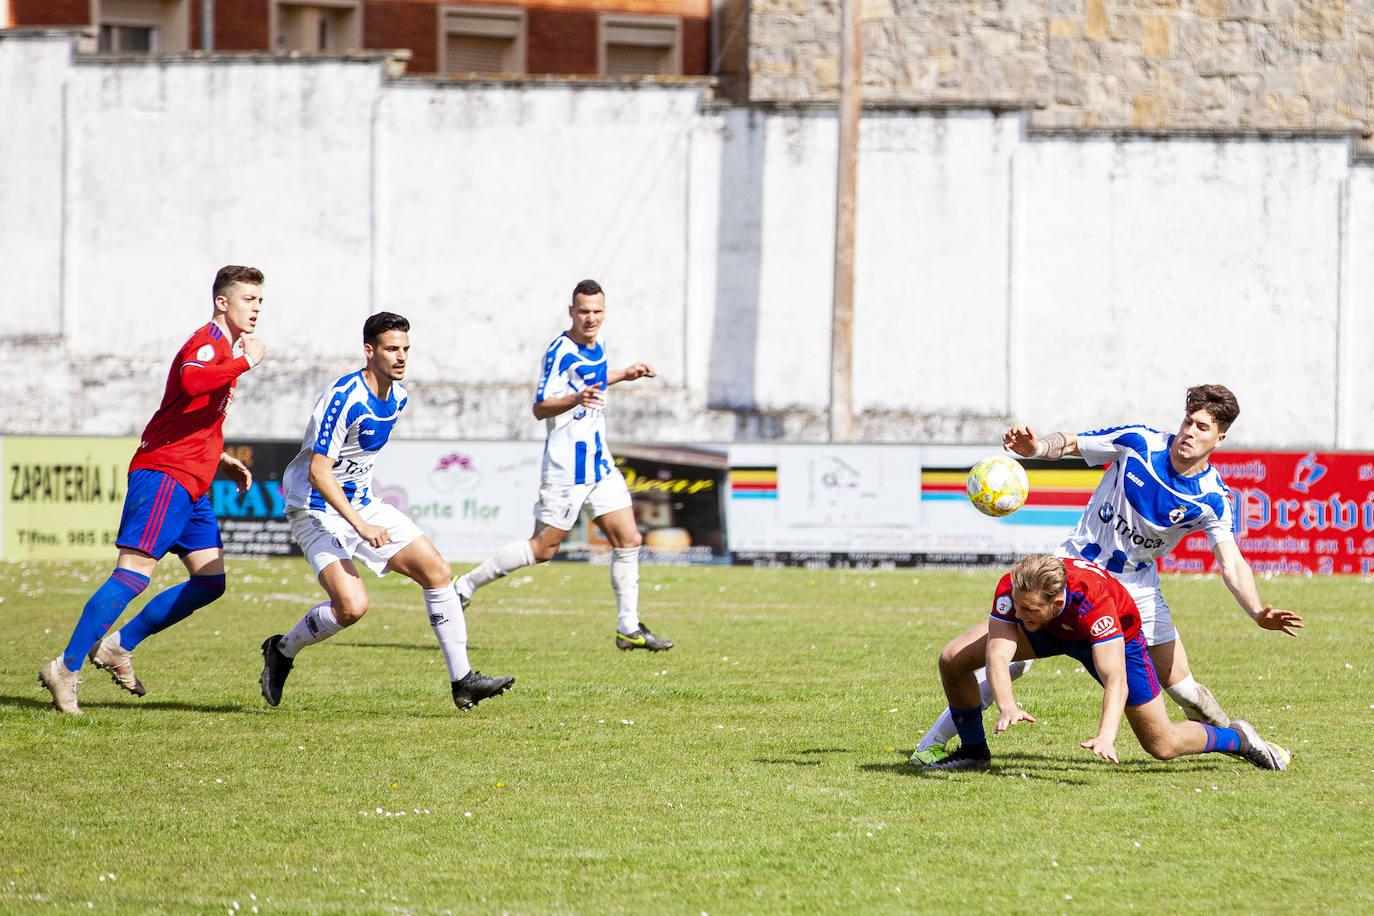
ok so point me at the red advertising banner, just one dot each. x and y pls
(1296, 512)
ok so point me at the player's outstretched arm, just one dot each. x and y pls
(1000, 652)
(630, 373)
(236, 471)
(1240, 579)
(591, 396)
(1109, 658)
(1020, 440)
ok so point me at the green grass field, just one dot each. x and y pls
(758, 767)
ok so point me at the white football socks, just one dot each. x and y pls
(318, 624)
(1184, 693)
(450, 628)
(944, 729)
(625, 584)
(506, 560)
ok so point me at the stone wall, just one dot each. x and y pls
(1063, 280)
(1233, 66)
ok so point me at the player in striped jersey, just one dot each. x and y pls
(335, 518)
(166, 505)
(578, 468)
(1159, 489)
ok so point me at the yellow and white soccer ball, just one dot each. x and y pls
(998, 486)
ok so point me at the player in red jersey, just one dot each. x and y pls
(166, 506)
(1049, 606)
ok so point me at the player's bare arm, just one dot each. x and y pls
(1000, 652)
(1020, 440)
(630, 373)
(1109, 658)
(1240, 579)
(591, 396)
(322, 479)
(236, 471)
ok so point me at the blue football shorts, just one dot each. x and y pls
(160, 516)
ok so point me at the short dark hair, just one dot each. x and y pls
(232, 274)
(586, 288)
(1217, 400)
(380, 323)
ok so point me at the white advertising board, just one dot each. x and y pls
(867, 505)
(469, 498)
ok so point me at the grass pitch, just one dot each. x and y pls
(758, 767)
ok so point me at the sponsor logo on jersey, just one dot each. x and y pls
(1128, 534)
(1102, 626)
(1176, 515)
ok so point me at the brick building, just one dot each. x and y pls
(592, 37)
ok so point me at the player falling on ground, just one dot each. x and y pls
(166, 506)
(1159, 489)
(578, 468)
(1049, 606)
(335, 518)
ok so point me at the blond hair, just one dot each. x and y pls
(1039, 577)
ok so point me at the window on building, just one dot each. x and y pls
(481, 39)
(142, 26)
(316, 25)
(640, 45)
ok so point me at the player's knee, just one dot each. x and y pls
(953, 662)
(1160, 746)
(212, 587)
(348, 613)
(543, 552)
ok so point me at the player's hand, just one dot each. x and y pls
(236, 471)
(1276, 618)
(591, 396)
(375, 535)
(1102, 747)
(1006, 720)
(1019, 440)
(253, 348)
(639, 370)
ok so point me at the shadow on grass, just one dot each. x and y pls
(785, 760)
(42, 703)
(811, 751)
(1058, 769)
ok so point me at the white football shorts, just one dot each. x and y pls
(1156, 624)
(326, 538)
(559, 504)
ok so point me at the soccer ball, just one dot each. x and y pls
(998, 486)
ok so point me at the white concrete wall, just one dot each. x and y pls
(1068, 282)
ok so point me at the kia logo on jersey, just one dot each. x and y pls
(1102, 626)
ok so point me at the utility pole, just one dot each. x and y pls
(846, 181)
(207, 25)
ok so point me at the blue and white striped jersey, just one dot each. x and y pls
(1142, 507)
(575, 450)
(349, 424)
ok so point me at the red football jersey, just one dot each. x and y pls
(1096, 606)
(185, 438)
